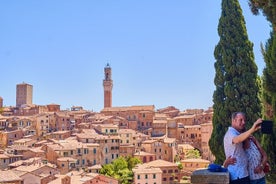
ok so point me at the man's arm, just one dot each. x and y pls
(240, 138)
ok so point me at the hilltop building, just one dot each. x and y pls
(1, 102)
(24, 94)
(107, 84)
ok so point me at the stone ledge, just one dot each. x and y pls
(204, 176)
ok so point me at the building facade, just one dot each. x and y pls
(107, 84)
(24, 94)
(1, 102)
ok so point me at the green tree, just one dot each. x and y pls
(236, 78)
(132, 162)
(194, 153)
(121, 169)
(108, 170)
(269, 95)
(268, 7)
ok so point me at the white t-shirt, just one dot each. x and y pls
(254, 158)
(240, 169)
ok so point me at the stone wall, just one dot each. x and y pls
(204, 176)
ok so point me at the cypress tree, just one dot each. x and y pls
(268, 7)
(236, 78)
(269, 96)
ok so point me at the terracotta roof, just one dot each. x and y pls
(131, 108)
(185, 146)
(126, 131)
(161, 163)
(148, 141)
(144, 168)
(192, 126)
(37, 150)
(33, 167)
(9, 176)
(61, 132)
(185, 116)
(108, 126)
(142, 153)
(160, 121)
(69, 159)
(169, 140)
(3, 156)
(196, 160)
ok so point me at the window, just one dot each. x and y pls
(94, 151)
(138, 177)
(154, 176)
(85, 151)
(146, 176)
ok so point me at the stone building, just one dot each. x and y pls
(24, 94)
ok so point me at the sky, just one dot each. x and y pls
(161, 52)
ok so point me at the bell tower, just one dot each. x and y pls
(107, 84)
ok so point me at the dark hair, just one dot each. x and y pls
(234, 115)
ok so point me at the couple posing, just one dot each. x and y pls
(245, 158)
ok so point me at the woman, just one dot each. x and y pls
(257, 159)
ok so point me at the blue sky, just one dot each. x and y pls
(160, 51)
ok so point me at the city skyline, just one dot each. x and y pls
(161, 53)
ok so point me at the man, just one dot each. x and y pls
(233, 147)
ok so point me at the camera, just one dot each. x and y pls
(267, 127)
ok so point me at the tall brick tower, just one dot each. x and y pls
(1, 102)
(24, 94)
(107, 84)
